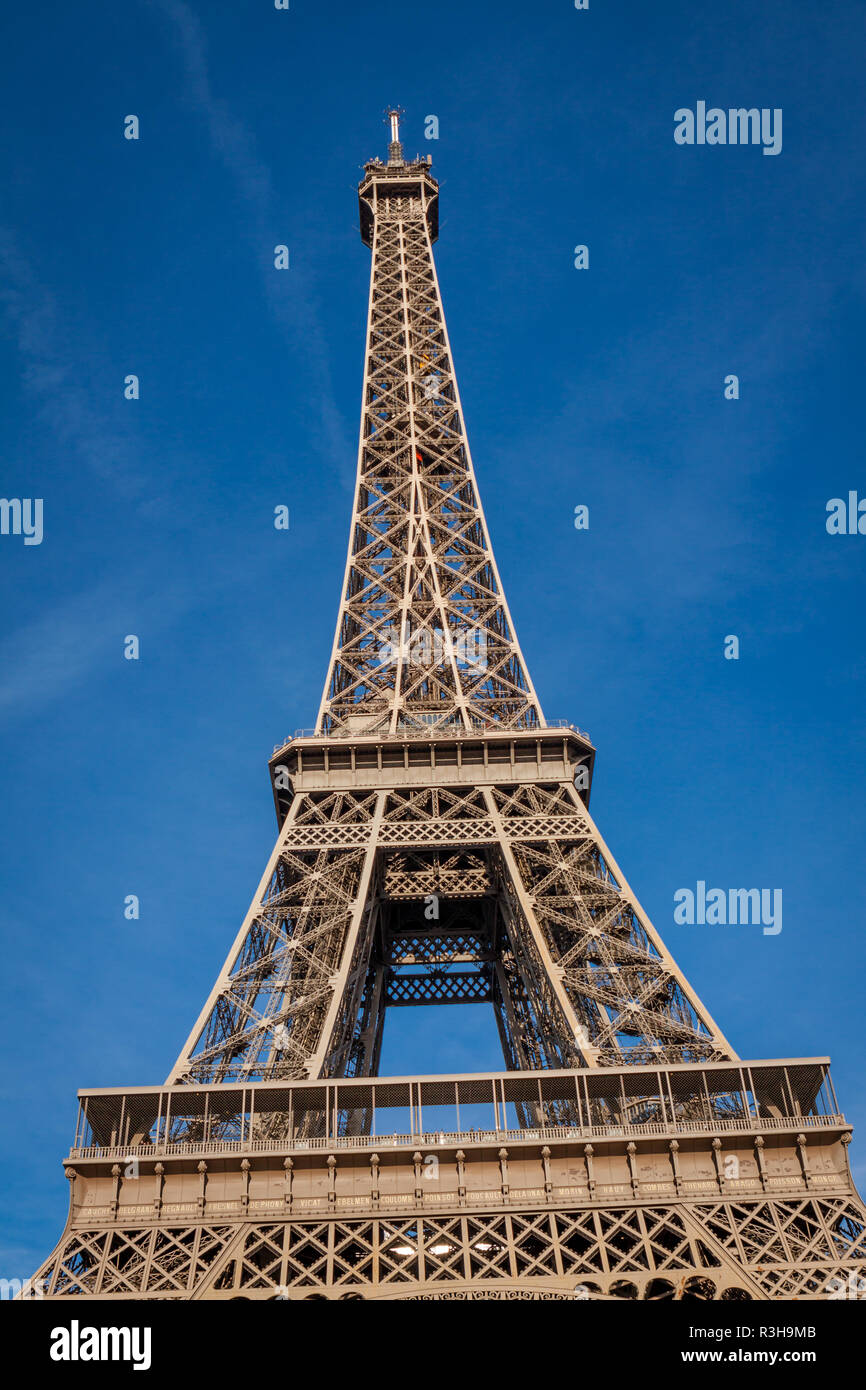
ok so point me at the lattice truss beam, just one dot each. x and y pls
(763, 1249)
(423, 630)
(526, 892)
(574, 970)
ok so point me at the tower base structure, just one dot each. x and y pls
(721, 1181)
(435, 846)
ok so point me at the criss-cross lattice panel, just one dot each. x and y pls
(126, 1261)
(274, 1000)
(76, 1267)
(451, 874)
(630, 1001)
(795, 1247)
(439, 987)
(171, 1260)
(424, 634)
(422, 805)
(262, 1259)
(805, 1247)
(452, 947)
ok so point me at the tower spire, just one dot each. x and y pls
(424, 637)
(395, 149)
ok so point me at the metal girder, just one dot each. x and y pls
(711, 1181)
(424, 633)
(586, 978)
(432, 822)
(745, 1251)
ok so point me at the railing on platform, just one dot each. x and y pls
(453, 729)
(461, 1138)
(650, 1099)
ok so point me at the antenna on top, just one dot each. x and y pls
(395, 149)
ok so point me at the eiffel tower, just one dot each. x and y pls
(435, 846)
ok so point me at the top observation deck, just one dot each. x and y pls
(402, 187)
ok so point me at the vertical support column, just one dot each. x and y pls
(201, 1169)
(674, 1149)
(159, 1170)
(332, 1181)
(588, 1152)
(327, 1042)
(503, 1171)
(717, 1163)
(223, 981)
(417, 1160)
(545, 1165)
(116, 1173)
(576, 1032)
(460, 1158)
(804, 1164)
(631, 1153)
(759, 1158)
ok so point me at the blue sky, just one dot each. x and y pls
(602, 387)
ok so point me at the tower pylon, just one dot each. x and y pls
(435, 846)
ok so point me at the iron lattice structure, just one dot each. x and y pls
(436, 847)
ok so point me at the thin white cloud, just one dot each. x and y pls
(298, 315)
(53, 368)
(67, 645)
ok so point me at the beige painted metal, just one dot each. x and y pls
(346, 989)
(420, 569)
(723, 1181)
(433, 846)
(223, 981)
(417, 572)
